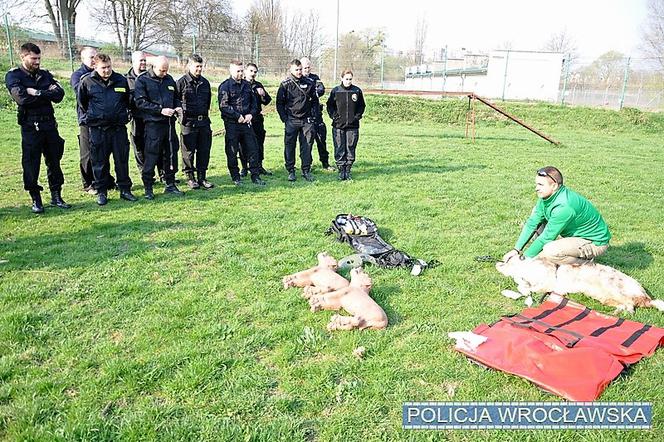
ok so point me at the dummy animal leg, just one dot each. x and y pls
(325, 302)
(338, 322)
(299, 279)
(312, 290)
(624, 308)
(512, 294)
(379, 324)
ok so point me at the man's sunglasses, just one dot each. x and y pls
(543, 172)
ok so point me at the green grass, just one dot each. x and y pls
(166, 320)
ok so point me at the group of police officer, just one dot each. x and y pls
(153, 102)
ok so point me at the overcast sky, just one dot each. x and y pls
(596, 26)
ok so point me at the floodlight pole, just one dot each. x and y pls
(336, 45)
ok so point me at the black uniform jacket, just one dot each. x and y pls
(131, 80)
(294, 98)
(152, 94)
(260, 101)
(236, 98)
(196, 96)
(104, 103)
(33, 109)
(345, 106)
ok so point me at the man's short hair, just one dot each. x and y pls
(236, 63)
(346, 71)
(195, 58)
(551, 172)
(102, 58)
(26, 48)
(253, 65)
(295, 62)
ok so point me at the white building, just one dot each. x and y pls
(508, 74)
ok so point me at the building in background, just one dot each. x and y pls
(505, 74)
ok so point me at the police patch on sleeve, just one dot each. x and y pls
(353, 97)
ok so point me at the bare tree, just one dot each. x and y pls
(303, 34)
(133, 22)
(179, 20)
(62, 16)
(420, 39)
(562, 42)
(653, 32)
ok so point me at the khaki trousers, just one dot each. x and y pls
(571, 251)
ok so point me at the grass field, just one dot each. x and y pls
(166, 320)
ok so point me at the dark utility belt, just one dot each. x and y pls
(195, 117)
(38, 118)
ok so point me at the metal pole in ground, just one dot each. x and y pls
(10, 49)
(445, 69)
(624, 87)
(336, 45)
(71, 54)
(258, 51)
(562, 96)
(507, 60)
(382, 67)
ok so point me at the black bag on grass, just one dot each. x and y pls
(361, 233)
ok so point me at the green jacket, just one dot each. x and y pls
(567, 214)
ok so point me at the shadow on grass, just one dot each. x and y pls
(461, 136)
(93, 245)
(407, 167)
(632, 255)
(382, 295)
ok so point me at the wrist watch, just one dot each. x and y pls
(38, 93)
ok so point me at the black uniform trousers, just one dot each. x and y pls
(196, 143)
(105, 141)
(304, 130)
(137, 138)
(320, 136)
(257, 124)
(240, 137)
(161, 146)
(85, 161)
(34, 144)
(345, 142)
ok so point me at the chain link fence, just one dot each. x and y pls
(611, 80)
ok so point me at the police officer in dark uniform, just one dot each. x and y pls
(320, 130)
(238, 105)
(195, 135)
(257, 122)
(294, 100)
(158, 104)
(34, 90)
(137, 126)
(85, 163)
(103, 96)
(345, 106)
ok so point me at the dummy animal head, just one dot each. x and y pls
(325, 260)
(359, 278)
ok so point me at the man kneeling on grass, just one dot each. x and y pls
(560, 211)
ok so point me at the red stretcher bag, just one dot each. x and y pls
(565, 347)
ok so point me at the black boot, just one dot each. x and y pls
(347, 169)
(149, 193)
(203, 182)
(191, 182)
(37, 205)
(56, 200)
(342, 173)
